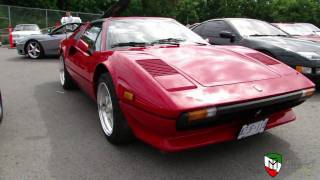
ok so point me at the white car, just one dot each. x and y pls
(23, 30)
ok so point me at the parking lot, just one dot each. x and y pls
(48, 133)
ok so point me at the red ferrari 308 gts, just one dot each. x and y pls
(155, 79)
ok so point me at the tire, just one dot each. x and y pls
(65, 79)
(1, 108)
(113, 122)
(34, 50)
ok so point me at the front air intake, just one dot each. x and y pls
(157, 67)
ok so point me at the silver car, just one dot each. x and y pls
(38, 46)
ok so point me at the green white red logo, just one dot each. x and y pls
(273, 163)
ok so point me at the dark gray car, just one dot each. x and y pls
(302, 55)
(37, 46)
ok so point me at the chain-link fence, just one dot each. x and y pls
(44, 18)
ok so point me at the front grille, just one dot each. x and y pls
(245, 112)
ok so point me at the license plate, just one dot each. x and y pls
(252, 129)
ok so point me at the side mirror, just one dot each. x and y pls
(83, 46)
(228, 35)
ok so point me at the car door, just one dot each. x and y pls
(212, 30)
(51, 45)
(56, 36)
(84, 54)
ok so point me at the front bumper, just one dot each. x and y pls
(20, 49)
(163, 134)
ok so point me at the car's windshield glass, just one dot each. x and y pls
(130, 32)
(310, 27)
(26, 28)
(250, 27)
(295, 29)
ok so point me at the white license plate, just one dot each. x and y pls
(252, 129)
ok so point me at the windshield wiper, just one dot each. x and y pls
(173, 41)
(261, 35)
(200, 43)
(133, 44)
(280, 35)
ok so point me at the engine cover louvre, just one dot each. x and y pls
(157, 67)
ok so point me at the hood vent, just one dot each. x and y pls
(157, 67)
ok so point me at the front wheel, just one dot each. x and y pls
(113, 123)
(65, 78)
(34, 50)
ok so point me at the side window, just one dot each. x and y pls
(213, 28)
(98, 42)
(79, 33)
(91, 34)
(61, 30)
(198, 29)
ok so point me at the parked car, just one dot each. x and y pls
(38, 46)
(155, 79)
(298, 31)
(24, 30)
(304, 56)
(311, 27)
(1, 108)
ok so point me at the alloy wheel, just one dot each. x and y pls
(34, 50)
(62, 71)
(105, 108)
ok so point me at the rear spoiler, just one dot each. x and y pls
(117, 8)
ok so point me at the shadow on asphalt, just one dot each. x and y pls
(20, 58)
(80, 150)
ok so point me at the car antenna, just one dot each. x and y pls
(116, 9)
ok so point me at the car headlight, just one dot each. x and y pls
(310, 55)
(305, 70)
(201, 114)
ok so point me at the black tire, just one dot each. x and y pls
(1, 108)
(40, 48)
(65, 78)
(121, 133)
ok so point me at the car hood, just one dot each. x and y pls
(287, 43)
(210, 66)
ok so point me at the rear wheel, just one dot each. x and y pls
(34, 50)
(65, 78)
(113, 122)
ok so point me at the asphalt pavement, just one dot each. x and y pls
(48, 133)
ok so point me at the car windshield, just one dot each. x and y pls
(310, 27)
(142, 32)
(250, 27)
(26, 28)
(295, 29)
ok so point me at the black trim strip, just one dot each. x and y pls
(246, 112)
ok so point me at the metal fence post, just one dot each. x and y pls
(46, 18)
(9, 15)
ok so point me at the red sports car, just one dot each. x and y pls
(155, 79)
